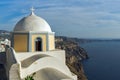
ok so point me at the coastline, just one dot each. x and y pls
(74, 55)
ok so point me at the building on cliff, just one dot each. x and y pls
(32, 51)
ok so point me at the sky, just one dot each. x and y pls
(73, 18)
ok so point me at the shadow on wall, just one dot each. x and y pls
(2, 58)
(56, 75)
(27, 62)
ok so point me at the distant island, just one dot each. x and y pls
(82, 40)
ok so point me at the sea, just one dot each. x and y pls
(104, 60)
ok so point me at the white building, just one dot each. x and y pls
(33, 51)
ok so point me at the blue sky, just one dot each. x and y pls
(74, 18)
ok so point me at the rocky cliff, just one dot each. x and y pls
(74, 55)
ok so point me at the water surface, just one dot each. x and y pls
(104, 62)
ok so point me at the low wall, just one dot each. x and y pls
(10, 60)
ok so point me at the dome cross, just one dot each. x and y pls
(32, 11)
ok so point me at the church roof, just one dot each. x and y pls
(32, 23)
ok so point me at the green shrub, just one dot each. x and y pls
(30, 77)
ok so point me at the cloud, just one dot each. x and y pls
(79, 18)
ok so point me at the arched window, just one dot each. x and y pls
(38, 44)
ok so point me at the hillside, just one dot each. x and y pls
(74, 55)
(4, 34)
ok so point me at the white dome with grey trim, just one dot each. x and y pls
(32, 23)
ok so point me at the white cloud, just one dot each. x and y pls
(86, 18)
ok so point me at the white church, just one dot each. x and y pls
(32, 51)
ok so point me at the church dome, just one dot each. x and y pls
(32, 23)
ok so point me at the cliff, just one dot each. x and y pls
(74, 55)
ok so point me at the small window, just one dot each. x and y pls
(38, 44)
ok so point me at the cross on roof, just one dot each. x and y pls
(32, 11)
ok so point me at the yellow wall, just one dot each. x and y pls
(51, 42)
(20, 43)
(43, 37)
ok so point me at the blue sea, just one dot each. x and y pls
(104, 61)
